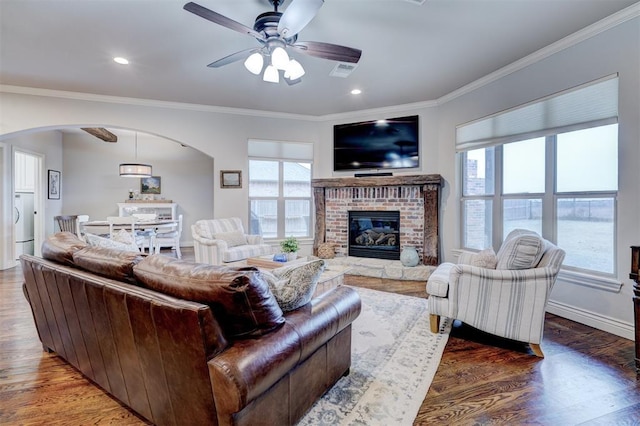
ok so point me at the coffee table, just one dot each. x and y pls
(332, 277)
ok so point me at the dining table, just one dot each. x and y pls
(101, 227)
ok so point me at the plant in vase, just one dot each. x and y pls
(289, 246)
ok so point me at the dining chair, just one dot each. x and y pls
(170, 239)
(148, 233)
(67, 223)
(82, 218)
(116, 223)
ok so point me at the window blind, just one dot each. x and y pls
(267, 149)
(588, 105)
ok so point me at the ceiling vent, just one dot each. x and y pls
(343, 69)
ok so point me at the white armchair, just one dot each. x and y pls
(509, 301)
(218, 241)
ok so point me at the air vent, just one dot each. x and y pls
(418, 2)
(343, 69)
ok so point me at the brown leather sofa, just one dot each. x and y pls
(212, 347)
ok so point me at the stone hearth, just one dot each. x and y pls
(382, 268)
(416, 197)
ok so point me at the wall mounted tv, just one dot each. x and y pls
(378, 144)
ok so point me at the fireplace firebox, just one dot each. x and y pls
(374, 234)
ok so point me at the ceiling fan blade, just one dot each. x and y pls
(328, 51)
(297, 16)
(216, 18)
(233, 57)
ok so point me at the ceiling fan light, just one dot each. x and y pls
(254, 63)
(294, 70)
(271, 75)
(280, 58)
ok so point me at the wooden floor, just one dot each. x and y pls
(586, 377)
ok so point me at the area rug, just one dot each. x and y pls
(394, 359)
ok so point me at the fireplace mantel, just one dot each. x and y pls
(429, 189)
(359, 182)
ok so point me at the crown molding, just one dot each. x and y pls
(586, 33)
(34, 91)
(592, 30)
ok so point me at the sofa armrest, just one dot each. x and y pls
(249, 367)
(220, 244)
(254, 239)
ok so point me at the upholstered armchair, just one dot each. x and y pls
(504, 294)
(217, 241)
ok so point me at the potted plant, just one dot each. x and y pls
(290, 247)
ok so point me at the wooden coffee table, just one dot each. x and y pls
(332, 277)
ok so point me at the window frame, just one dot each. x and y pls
(549, 199)
(281, 199)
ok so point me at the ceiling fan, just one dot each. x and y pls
(276, 32)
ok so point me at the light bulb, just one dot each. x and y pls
(271, 75)
(279, 58)
(294, 70)
(254, 63)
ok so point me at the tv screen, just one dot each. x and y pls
(376, 144)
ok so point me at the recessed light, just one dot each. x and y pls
(121, 61)
(356, 91)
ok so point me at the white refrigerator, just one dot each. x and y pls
(23, 219)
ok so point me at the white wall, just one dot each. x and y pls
(613, 51)
(48, 145)
(92, 185)
(220, 135)
(223, 136)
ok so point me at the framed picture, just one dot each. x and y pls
(230, 178)
(54, 185)
(150, 185)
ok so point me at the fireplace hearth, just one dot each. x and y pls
(374, 234)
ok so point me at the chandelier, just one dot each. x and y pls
(136, 170)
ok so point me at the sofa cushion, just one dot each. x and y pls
(522, 251)
(98, 241)
(108, 262)
(233, 238)
(438, 282)
(294, 285)
(239, 297)
(60, 247)
(244, 252)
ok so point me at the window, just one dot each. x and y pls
(580, 209)
(550, 166)
(279, 190)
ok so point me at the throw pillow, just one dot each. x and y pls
(485, 259)
(97, 241)
(238, 297)
(123, 237)
(523, 251)
(233, 238)
(294, 285)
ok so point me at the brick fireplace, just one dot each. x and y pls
(415, 197)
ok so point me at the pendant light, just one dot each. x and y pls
(136, 170)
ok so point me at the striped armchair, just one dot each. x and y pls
(217, 241)
(509, 301)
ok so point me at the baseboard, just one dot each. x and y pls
(601, 322)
